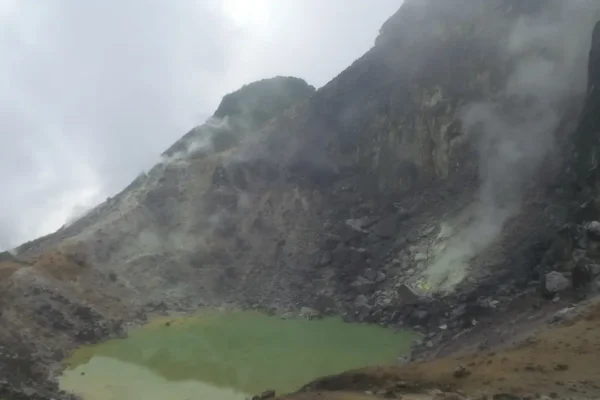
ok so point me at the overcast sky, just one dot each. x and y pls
(91, 92)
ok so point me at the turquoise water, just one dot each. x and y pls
(226, 356)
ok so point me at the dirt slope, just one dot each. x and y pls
(560, 361)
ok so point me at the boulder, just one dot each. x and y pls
(407, 296)
(555, 282)
(593, 230)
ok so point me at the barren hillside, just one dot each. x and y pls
(442, 181)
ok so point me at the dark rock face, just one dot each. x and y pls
(242, 112)
(260, 101)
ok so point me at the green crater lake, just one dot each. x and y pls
(226, 356)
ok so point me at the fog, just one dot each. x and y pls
(515, 130)
(94, 92)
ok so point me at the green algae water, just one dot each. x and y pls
(226, 356)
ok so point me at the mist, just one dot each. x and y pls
(516, 129)
(95, 92)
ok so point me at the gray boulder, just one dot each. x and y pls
(593, 229)
(555, 282)
(407, 296)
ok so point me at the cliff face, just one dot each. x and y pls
(431, 162)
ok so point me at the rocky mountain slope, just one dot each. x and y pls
(428, 184)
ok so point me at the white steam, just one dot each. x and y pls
(515, 131)
(200, 140)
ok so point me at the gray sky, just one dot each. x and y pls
(91, 92)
